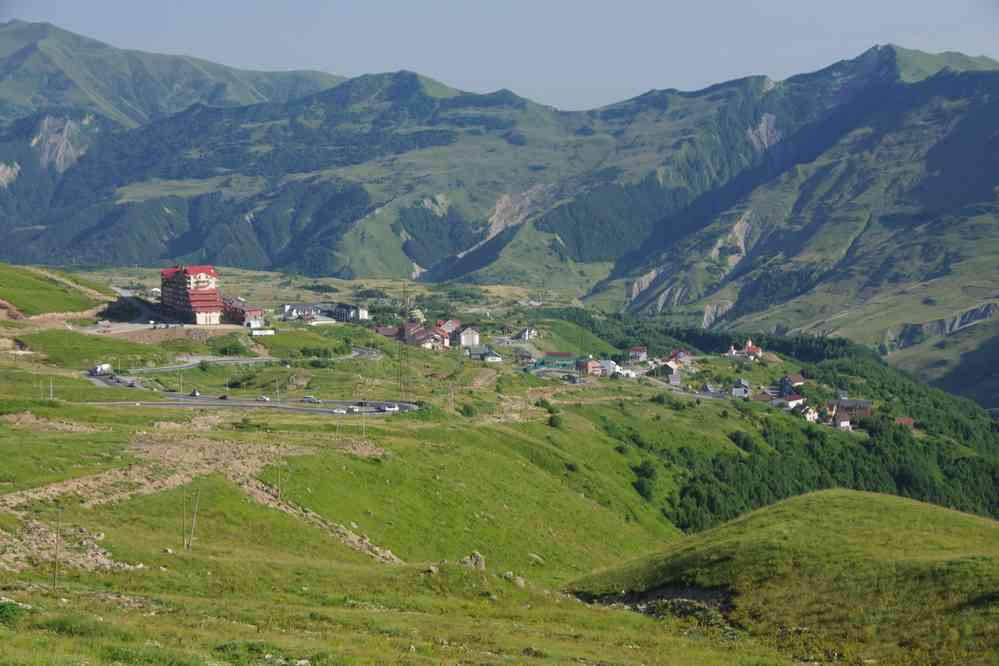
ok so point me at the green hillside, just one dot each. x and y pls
(32, 294)
(44, 67)
(870, 578)
(858, 200)
(394, 174)
(339, 538)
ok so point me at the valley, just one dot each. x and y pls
(307, 369)
(483, 525)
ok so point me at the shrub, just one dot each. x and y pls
(468, 410)
(644, 487)
(11, 614)
(646, 470)
(556, 421)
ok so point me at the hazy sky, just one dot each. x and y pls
(569, 53)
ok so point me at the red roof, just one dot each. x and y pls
(639, 349)
(190, 270)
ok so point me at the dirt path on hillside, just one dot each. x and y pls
(91, 293)
(52, 319)
(8, 311)
(483, 377)
(166, 463)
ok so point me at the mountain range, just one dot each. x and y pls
(860, 200)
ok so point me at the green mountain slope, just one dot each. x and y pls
(858, 200)
(872, 578)
(42, 66)
(426, 177)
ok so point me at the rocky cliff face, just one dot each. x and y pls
(912, 334)
(59, 142)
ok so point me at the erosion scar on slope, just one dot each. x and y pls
(170, 463)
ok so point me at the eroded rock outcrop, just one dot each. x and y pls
(59, 142)
(912, 334)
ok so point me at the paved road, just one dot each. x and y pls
(326, 407)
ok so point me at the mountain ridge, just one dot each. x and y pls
(42, 65)
(751, 203)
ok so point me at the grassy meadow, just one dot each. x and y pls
(34, 294)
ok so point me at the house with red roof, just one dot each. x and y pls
(638, 354)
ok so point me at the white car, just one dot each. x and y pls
(263, 398)
(388, 408)
(339, 410)
(311, 400)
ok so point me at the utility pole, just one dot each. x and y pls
(51, 391)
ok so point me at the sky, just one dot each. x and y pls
(573, 54)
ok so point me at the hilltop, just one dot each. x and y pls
(43, 67)
(871, 578)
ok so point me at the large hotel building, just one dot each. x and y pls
(191, 294)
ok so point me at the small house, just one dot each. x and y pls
(638, 354)
(450, 326)
(790, 383)
(559, 360)
(467, 337)
(608, 367)
(291, 311)
(740, 392)
(810, 414)
(346, 312)
(528, 334)
(589, 367)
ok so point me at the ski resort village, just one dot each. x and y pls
(198, 321)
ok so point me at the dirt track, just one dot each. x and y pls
(166, 463)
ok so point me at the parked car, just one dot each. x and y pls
(388, 408)
(340, 410)
(195, 393)
(263, 398)
(311, 399)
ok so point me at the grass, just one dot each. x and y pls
(566, 336)
(32, 382)
(290, 342)
(258, 582)
(34, 295)
(79, 351)
(871, 577)
(550, 501)
(99, 286)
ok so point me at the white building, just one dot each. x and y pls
(469, 337)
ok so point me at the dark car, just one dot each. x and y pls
(224, 397)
